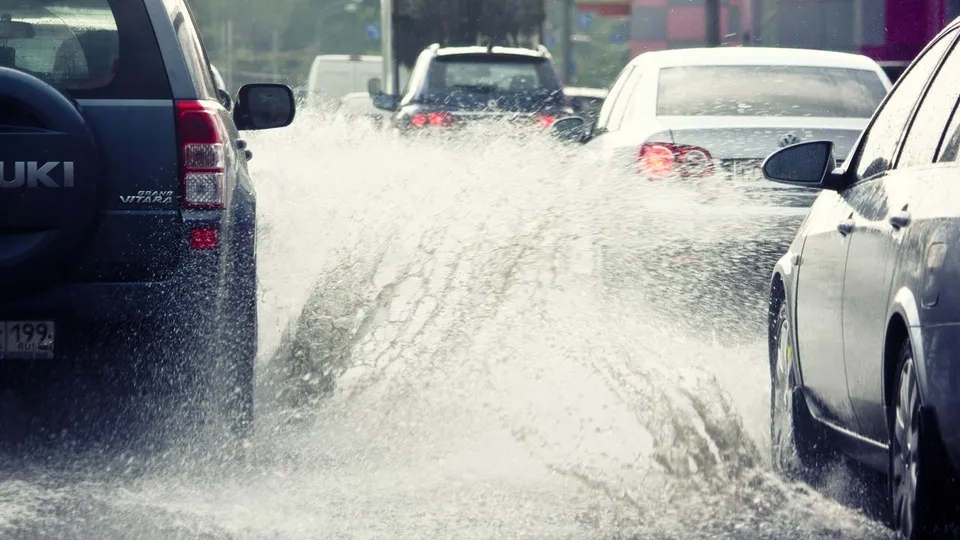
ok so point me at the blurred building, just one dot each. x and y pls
(881, 29)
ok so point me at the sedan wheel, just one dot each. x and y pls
(797, 445)
(913, 460)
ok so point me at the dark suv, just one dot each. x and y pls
(451, 87)
(127, 214)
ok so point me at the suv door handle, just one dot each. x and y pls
(846, 226)
(900, 220)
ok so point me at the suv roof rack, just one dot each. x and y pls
(489, 44)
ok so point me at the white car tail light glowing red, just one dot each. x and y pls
(661, 160)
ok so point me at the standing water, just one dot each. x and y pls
(447, 351)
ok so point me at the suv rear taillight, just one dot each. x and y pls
(432, 119)
(202, 137)
(545, 120)
(661, 160)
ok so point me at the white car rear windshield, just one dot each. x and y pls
(768, 91)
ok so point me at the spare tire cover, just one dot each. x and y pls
(49, 183)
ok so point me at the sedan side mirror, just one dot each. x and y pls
(264, 106)
(806, 164)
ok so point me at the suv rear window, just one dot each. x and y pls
(86, 48)
(491, 74)
(768, 91)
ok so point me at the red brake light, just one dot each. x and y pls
(656, 160)
(432, 119)
(440, 119)
(659, 160)
(546, 121)
(203, 238)
(202, 137)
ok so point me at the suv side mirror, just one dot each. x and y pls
(264, 106)
(385, 102)
(806, 164)
(381, 101)
(570, 129)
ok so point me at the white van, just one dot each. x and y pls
(333, 76)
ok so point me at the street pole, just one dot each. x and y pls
(712, 18)
(390, 70)
(566, 40)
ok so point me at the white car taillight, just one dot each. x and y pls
(661, 160)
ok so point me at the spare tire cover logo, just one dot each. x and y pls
(33, 174)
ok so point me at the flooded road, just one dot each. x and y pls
(458, 341)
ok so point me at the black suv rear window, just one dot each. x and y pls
(86, 48)
(491, 74)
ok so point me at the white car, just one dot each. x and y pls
(695, 112)
(333, 76)
(688, 130)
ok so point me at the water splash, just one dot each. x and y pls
(451, 345)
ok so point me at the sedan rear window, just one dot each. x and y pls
(491, 74)
(768, 91)
(75, 46)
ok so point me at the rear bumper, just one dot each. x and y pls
(91, 317)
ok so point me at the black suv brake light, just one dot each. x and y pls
(432, 119)
(202, 136)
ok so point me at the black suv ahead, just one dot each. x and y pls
(451, 87)
(127, 215)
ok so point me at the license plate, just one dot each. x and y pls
(27, 340)
(744, 170)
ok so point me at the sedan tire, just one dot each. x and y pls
(798, 445)
(915, 464)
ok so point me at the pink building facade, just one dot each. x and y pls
(881, 29)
